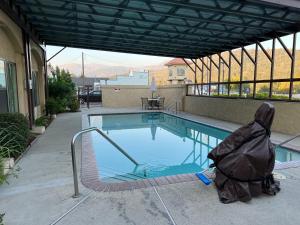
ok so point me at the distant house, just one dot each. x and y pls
(133, 78)
(178, 71)
(93, 82)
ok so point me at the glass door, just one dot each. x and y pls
(3, 90)
(12, 89)
(35, 89)
(8, 87)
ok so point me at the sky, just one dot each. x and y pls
(73, 55)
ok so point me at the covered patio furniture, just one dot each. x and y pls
(245, 160)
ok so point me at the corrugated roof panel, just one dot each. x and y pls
(182, 28)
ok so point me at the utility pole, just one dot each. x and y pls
(82, 69)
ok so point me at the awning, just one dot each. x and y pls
(175, 28)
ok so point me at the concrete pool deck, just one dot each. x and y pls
(42, 192)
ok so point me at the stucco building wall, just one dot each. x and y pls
(130, 96)
(12, 50)
(287, 116)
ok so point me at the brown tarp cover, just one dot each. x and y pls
(245, 160)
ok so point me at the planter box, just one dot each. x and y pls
(38, 130)
(8, 164)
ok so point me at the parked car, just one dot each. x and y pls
(94, 96)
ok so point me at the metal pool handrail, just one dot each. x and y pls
(74, 164)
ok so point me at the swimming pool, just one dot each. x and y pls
(163, 145)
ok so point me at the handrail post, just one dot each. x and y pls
(73, 153)
(74, 166)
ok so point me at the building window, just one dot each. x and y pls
(8, 87)
(170, 72)
(35, 89)
(180, 72)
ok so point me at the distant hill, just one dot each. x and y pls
(160, 72)
(281, 69)
(101, 70)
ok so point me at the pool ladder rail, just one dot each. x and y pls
(174, 107)
(73, 153)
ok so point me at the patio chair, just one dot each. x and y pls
(145, 103)
(160, 103)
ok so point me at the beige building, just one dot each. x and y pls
(173, 72)
(22, 71)
(178, 71)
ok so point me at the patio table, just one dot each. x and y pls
(152, 102)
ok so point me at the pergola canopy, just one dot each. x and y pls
(175, 28)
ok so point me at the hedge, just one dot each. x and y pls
(14, 134)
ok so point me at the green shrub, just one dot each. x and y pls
(74, 104)
(1, 218)
(14, 134)
(62, 94)
(43, 121)
(2, 177)
(56, 105)
(51, 106)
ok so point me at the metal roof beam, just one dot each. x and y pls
(20, 19)
(285, 48)
(128, 18)
(45, 29)
(118, 43)
(224, 61)
(50, 33)
(217, 9)
(235, 58)
(99, 4)
(248, 54)
(76, 44)
(223, 39)
(195, 63)
(96, 22)
(101, 34)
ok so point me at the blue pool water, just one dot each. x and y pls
(162, 145)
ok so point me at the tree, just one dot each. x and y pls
(62, 93)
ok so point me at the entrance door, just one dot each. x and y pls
(8, 87)
(3, 90)
(12, 89)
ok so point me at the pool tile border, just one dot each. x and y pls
(90, 177)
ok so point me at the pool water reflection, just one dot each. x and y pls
(162, 144)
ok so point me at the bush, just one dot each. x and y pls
(62, 94)
(2, 177)
(14, 134)
(74, 104)
(1, 218)
(43, 121)
(55, 106)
